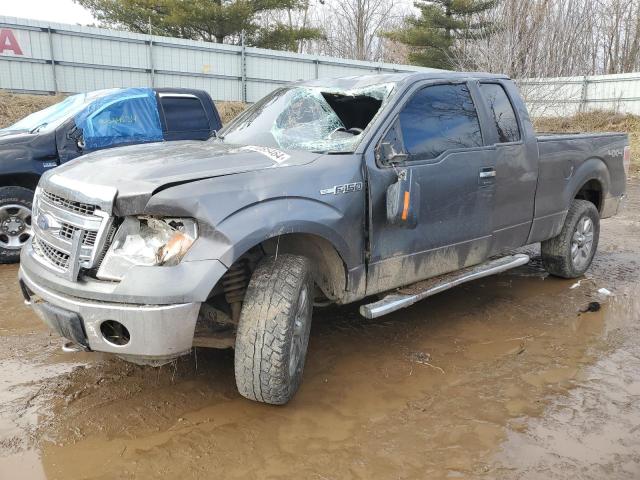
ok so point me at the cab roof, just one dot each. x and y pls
(362, 81)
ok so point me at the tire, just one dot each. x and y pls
(273, 330)
(15, 221)
(569, 255)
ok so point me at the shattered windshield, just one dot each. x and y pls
(309, 118)
(53, 116)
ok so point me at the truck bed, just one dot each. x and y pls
(554, 136)
(568, 161)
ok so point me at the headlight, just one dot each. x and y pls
(147, 241)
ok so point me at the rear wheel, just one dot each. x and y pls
(273, 331)
(15, 221)
(570, 254)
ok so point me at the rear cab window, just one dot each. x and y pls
(439, 118)
(502, 111)
(184, 112)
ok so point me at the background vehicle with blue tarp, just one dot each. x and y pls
(84, 123)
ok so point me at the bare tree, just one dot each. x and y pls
(552, 38)
(541, 39)
(353, 28)
(620, 35)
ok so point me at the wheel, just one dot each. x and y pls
(273, 330)
(15, 221)
(569, 255)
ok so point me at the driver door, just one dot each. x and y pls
(442, 149)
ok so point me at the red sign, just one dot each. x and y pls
(9, 44)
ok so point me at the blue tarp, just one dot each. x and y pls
(126, 116)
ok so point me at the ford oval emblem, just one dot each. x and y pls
(47, 223)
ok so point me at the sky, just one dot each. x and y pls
(61, 11)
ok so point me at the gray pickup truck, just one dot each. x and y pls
(394, 187)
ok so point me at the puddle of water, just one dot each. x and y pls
(25, 465)
(24, 390)
(593, 430)
(31, 367)
(15, 316)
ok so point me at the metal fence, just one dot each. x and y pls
(570, 95)
(43, 57)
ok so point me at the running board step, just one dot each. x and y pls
(407, 296)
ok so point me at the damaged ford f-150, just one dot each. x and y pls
(394, 187)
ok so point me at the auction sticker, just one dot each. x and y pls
(274, 154)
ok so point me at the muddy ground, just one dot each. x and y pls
(500, 378)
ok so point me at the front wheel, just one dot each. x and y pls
(570, 254)
(15, 221)
(273, 330)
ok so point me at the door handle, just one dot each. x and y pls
(487, 173)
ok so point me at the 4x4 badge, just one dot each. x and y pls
(346, 188)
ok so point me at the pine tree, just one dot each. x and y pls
(210, 20)
(432, 35)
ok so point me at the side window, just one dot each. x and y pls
(502, 111)
(439, 118)
(130, 120)
(184, 113)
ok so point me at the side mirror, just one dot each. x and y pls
(391, 149)
(76, 135)
(403, 200)
(389, 155)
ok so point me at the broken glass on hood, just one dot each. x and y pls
(309, 118)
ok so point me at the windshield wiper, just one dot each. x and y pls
(214, 134)
(39, 127)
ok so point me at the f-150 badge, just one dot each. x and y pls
(338, 189)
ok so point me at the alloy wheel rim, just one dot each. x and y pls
(582, 243)
(299, 330)
(15, 226)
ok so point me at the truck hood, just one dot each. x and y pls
(14, 136)
(133, 174)
(19, 148)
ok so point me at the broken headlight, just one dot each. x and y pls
(147, 241)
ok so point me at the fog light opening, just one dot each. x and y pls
(115, 333)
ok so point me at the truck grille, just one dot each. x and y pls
(56, 257)
(57, 221)
(88, 237)
(83, 208)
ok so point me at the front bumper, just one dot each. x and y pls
(157, 332)
(183, 283)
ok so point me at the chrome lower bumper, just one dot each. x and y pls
(156, 331)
